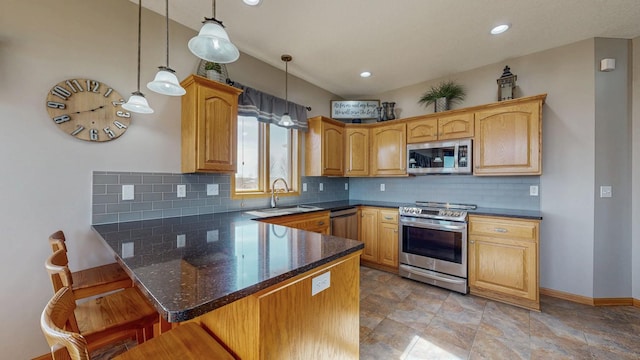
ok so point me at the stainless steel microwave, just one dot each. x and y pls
(440, 157)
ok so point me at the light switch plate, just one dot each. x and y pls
(321, 187)
(127, 192)
(533, 190)
(304, 186)
(182, 191)
(213, 189)
(320, 283)
(606, 191)
(346, 186)
(383, 187)
(181, 240)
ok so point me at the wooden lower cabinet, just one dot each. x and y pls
(378, 229)
(286, 321)
(503, 260)
(319, 221)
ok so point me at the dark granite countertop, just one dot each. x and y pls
(515, 213)
(221, 258)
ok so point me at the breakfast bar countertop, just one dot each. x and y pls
(188, 266)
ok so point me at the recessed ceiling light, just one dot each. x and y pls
(365, 74)
(499, 29)
(252, 2)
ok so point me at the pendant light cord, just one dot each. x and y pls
(139, 31)
(213, 8)
(167, 12)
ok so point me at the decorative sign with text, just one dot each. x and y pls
(355, 109)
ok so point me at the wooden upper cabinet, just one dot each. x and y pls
(508, 138)
(456, 126)
(209, 126)
(422, 130)
(389, 149)
(324, 148)
(356, 151)
(431, 128)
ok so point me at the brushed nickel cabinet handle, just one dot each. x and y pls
(472, 242)
(320, 222)
(388, 218)
(501, 230)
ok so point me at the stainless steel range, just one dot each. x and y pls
(433, 244)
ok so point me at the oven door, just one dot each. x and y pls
(436, 245)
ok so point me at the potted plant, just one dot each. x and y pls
(443, 95)
(213, 70)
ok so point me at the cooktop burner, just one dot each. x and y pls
(437, 210)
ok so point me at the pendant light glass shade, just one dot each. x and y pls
(213, 44)
(137, 103)
(166, 83)
(285, 120)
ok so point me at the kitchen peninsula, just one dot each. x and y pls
(265, 290)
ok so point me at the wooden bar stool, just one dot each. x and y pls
(106, 319)
(187, 341)
(96, 280)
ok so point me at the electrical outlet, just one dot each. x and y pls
(606, 191)
(213, 189)
(382, 187)
(321, 187)
(127, 192)
(213, 236)
(181, 240)
(127, 250)
(320, 283)
(304, 186)
(182, 191)
(346, 186)
(533, 190)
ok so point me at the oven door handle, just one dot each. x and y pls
(432, 226)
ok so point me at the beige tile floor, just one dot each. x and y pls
(403, 319)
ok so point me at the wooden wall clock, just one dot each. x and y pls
(88, 110)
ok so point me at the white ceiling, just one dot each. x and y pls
(402, 42)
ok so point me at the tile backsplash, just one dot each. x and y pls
(155, 195)
(504, 192)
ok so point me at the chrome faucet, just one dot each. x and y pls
(274, 195)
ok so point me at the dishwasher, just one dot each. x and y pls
(344, 223)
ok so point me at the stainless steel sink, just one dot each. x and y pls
(282, 210)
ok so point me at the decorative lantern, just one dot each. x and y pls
(506, 84)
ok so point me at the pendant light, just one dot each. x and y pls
(137, 102)
(166, 82)
(212, 43)
(285, 120)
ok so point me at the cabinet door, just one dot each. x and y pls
(457, 126)
(389, 150)
(508, 140)
(368, 233)
(388, 244)
(422, 130)
(316, 222)
(356, 151)
(332, 150)
(504, 266)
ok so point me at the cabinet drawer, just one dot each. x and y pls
(503, 227)
(389, 216)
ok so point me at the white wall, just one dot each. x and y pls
(566, 74)
(635, 159)
(46, 174)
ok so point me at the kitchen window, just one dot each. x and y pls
(266, 152)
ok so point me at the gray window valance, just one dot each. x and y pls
(268, 108)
